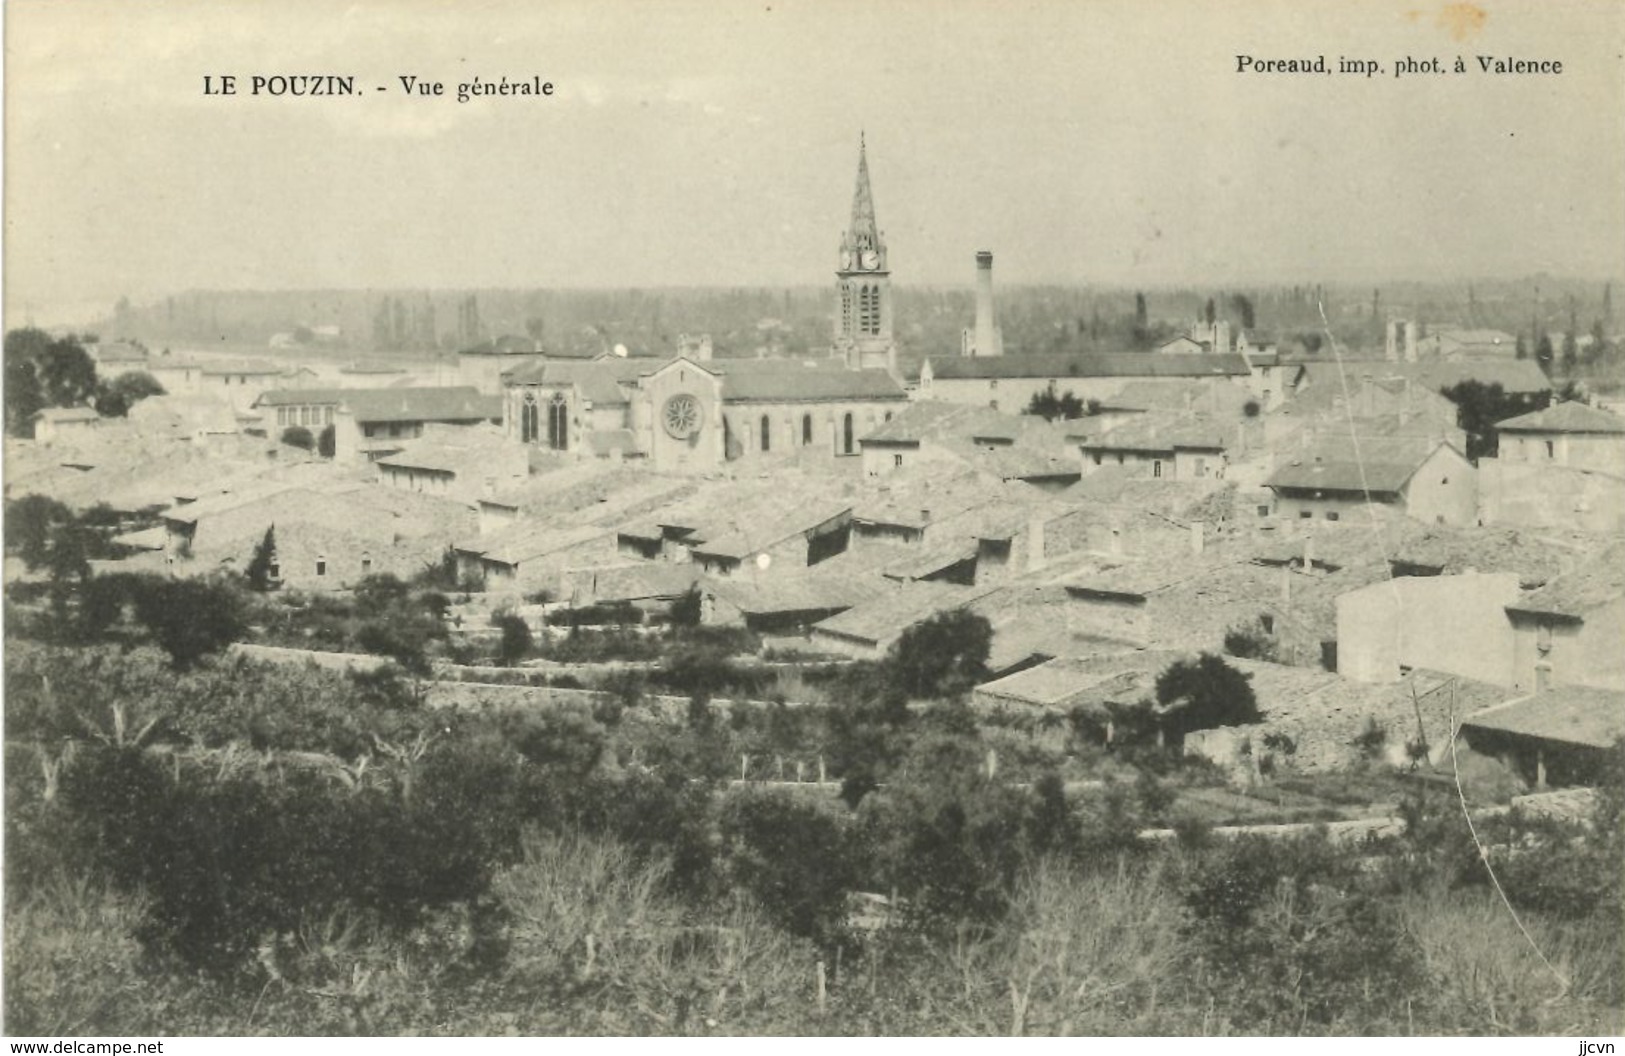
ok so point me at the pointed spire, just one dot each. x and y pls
(863, 230)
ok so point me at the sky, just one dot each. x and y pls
(715, 143)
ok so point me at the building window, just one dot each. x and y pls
(558, 423)
(1331, 515)
(327, 414)
(529, 419)
(366, 564)
(888, 416)
(321, 566)
(1119, 458)
(993, 404)
(767, 433)
(897, 460)
(1263, 511)
(273, 572)
(846, 433)
(1156, 467)
(1551, 449)
(806, 429)
(1266, 621)
(1304, 515)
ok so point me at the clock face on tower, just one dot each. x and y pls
(871, 260)
(681, 416)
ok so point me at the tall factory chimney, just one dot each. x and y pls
(988, 340)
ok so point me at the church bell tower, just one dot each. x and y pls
(863, 301)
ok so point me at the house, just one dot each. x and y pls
(1569, 631)
(1317, 713)
(327, 536)
(764, 526)
(461, 462)
(1436, 485)
(60, 423)
(1565, 735)
(961, 436)
(1461, 343)
(788, 605)
(1010, 382)
(1161, 446)
(1571, 434)
(482, 366)
(1456, 624)
(241, 382)
(117, 357)
(529, 558)
(312, 409)
(868, 630)
(372, 423)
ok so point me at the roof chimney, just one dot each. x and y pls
(988, 340)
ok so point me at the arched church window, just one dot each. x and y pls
(558, 423)
(529, 419)
(846, 433)
(767, 433)
(806, 429)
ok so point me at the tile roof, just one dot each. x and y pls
(890, 614)
(599, 382)
(812, 591)
(247, 366)
(1570, 417)
(1178, 394)
(461, 403)
(1568, 714)
(1123, 365)
(301, 397)
(1369, 478)
(922, 419)
(66, 414)
(1599, 581)
(520, 543)
(1451, 551)
(784, 380)
(1163, 432)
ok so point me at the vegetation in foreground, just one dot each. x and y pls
(217, 847)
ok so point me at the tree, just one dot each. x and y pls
(686, 609)
(1242, 305)
(943, 656)
(298, 436)
(1544, 353)
(264, 560)
(40, 372)
(327, 442)
(1480, 406)
(1051, 406)
(516, 640)
(24, 397)
(1522, 349)
(1571, 353)
(67, 374)
(115, 398)
(188, 618)
(1202, 694)
(31, 521)
(1210, 312)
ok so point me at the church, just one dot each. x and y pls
(695, 412)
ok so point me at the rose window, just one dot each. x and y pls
(682, 416)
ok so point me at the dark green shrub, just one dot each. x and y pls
(794, 857)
